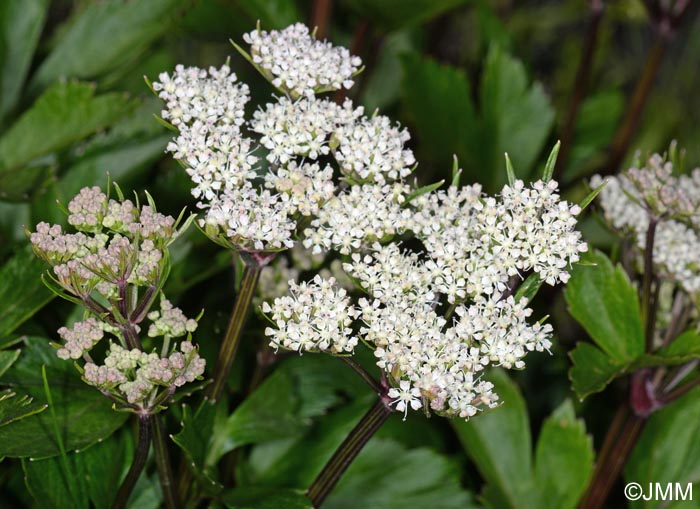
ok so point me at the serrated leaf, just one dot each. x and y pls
(21, 22)
(386, 475)
(104, 35)
(93, 480)
(668, 450)
(7, 359)
(21, 290)
(563, 460)
(592, 369)
(14, 407)
(438, 101)
(65, 113)
(517, 116)
(269, 413)
(605, 303)
(196, 436)
(499, 443)
(83, 415)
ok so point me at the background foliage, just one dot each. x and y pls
(473, 78)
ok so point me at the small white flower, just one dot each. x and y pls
(404, 397)
(300, 65)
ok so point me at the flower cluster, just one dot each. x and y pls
(477, 244)
(265, 182)
(631, 200)
(297, 63)
(436, 319)
(113, 266)
(137, 375)
(316, 316)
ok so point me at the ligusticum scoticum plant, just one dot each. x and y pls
(306, 171)
(300, 170)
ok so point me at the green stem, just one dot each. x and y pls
(140, 456)
(348, 451)
(165, 473)
(626, 130)
(229, 346)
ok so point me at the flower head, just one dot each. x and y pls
(299, 64)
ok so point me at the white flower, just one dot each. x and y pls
(300, 65)
(193, 94)
(628, 200)
(372, 150)
(302, 127)
(303, 188)
(404, 397)
(251, 220)
(316, 316)
(479, 243)
(359, 217)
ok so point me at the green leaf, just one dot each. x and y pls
(424, 190)
(684, 348)
(196, 437)
(592, 195)
(592, 369)
(563, 460)
(386, 475)
(392, 14)
(7, 359)
(456, 172)
(517, 117)
(499, 443)
(596, 122)
(94, 476)
(14, 407)
(103, 36)
(269, 413)
(21, 290)
(252, 497)
(510, 171)
(602, 299)
(529, 287)
(668, 450)
(66, 113)
(21, 22)
(296, 461)
(438, 101)
(272, 13)
(551, 162)
(83, 415)
(382, 87)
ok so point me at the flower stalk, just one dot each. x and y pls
(229, 346)
(143, 445)
(165, 473)
(324, 483)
